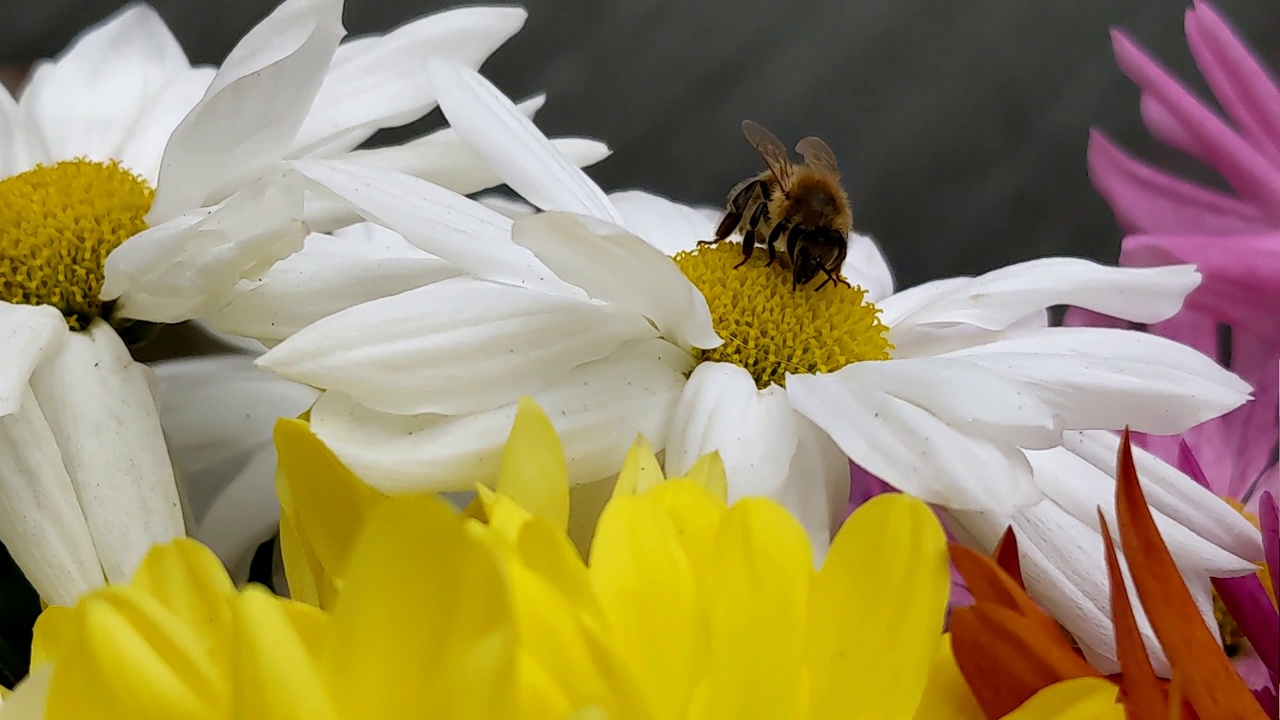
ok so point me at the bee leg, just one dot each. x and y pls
(737, 205)
(749, 239)
(774, 237)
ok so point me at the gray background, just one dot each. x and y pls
(961, 124)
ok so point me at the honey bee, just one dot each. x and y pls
(800, 207)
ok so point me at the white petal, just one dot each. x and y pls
(1172, 493)
(229, 341)
(513, 208)
(252, 109)
(759, 439)
(30, 695)
(489, 122)
(217, 412)
(98, 403)
(597, 411)
(1082, 490)
(88, 101)
(11, 161)
(190, 266)
(902, 304)
(328, 275)
(377, 81)
(28, 333)
(41, 523)
(1106, 378)
(144, 148)
(463, 232)
(245, 514)
(667, 225)
(867, 267)
(457, 346)
(450, 163)
(1001, 297)
(884, 420)
(619, 268)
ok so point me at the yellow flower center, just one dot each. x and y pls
(58, 223)
(771, 330)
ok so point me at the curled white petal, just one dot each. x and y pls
(189, 266)
(606, 261)
(457, 346)
(29, 334)
(867, 267)
(665, 224)
(597, 411)
(252, 109)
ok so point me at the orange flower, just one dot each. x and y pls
(1008, 648)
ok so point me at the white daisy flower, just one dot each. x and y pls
(139, 189)
(609, 315)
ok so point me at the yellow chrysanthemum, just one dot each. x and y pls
(688, 608)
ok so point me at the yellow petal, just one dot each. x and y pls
(708, 472)
(424, 625)
(640, 470)
(534, 473)
(877, 610)
(647, 594)
(696, 513)
(52, 634)
(307, 580)
(312, 625)
(325, 501)
(131, 658)
(1078, 699)
(276, 677)
(190, 582)
(946, 695)
(501, 513)
(759, 593)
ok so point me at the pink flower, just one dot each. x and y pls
(1234, 238)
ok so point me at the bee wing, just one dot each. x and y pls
(817, 153)
(771, 149)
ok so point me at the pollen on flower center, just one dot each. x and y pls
(771, 330)
(58, 223)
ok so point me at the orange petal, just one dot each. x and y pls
(1006, 657)
(1006, 556)
(1143, 691)
(989, 583)
(1208, 680)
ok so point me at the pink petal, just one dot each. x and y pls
(1243, 87)
(1267, 513)
(1188, 464)
(1145, 199)
(1241, 283)
(1162, 124)
(1249, 605)
(1255, 179)
(1268, 699)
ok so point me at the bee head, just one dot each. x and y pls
(817, 252)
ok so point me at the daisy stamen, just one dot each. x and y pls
(771, 330)
(58, 223)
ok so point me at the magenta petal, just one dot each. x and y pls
(1241, 273)
(1255, 179)
(1266, 697)
(1249, 605)
(1145, 199)
(1188, 464)
(1267, 513)
(1243, 87)
(1165, 127)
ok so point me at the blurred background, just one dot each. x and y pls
(960, 124)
